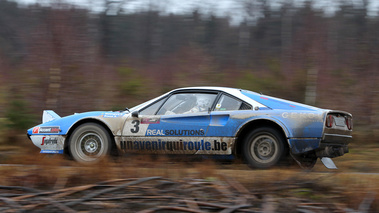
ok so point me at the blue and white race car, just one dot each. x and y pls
(215, 121)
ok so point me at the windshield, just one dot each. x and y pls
(142, 105)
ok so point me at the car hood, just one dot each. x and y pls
(64, 123)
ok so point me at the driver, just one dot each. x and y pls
(202, 104)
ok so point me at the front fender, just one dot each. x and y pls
(112, 120)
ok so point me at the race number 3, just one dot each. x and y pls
(136, 126)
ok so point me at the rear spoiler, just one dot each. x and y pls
(49, 115)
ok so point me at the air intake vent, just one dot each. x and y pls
(245, 107)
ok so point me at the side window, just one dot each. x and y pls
(187, 103)
(227, 103)
(152, 109)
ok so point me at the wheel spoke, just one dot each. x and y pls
(264, 148)
(90, 144)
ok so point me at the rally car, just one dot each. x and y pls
(206, 121)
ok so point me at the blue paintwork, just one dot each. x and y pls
(182, 125)
(65, 123)
(51, 152)
(302, 125)
(301, 145)
(277, 103)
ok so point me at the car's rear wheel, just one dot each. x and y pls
(89, 143)
(263, 147)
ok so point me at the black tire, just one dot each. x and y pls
(263, 148)
(89, 143)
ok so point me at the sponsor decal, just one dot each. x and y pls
(52, 151)
(150, 132)
(150, 121)
(45, 129)
(185, 132)
(35, 130)
(306, 116)
(49, 141)
(111, 115)
(174, 145)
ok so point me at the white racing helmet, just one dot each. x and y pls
(203, 101)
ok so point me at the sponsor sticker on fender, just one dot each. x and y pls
(150, 121)
(177, 145)
(49, 141)
(35, 130)
(46, 129)
(111, 115)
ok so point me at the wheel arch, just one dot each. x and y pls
(258, 123)
(88, 120)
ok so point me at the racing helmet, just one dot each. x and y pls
(203, 101)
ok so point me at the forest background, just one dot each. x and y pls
(71, 59)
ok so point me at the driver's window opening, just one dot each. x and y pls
(185, 103)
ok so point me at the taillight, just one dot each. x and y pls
(349, 123)
(329, 121)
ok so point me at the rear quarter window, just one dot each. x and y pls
(227, 103)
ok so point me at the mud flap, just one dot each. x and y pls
(328, 163)
(304, 162)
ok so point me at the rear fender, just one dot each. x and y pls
(271, 120)
(260, 121)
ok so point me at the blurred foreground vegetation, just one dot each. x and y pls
(104, 186)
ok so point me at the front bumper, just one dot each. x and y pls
(51, 144)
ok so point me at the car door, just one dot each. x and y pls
(222, 124)
(176, 124)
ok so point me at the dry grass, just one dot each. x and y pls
(348, 186)
(346, 189)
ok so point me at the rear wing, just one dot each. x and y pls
(49, 115)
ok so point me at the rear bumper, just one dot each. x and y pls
(331, 151)
(336, 139)
(330, 145)
(333, 145)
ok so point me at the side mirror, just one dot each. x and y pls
(135, 114)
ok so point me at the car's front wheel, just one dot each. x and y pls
(89, 143)
(263, 147)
